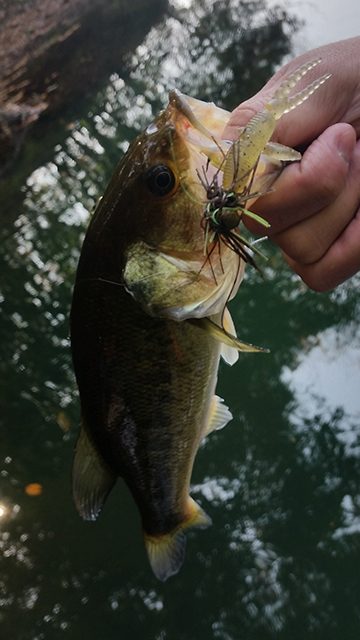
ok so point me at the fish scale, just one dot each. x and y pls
(151, 392)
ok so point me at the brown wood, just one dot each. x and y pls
(52, 51)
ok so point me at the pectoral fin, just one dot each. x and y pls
(92, 479)
(220, 334)
(157, 281)
(176, 287)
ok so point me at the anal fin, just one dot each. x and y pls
(92, 478)
(220, 415)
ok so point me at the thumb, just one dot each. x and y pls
(244, 112)
(300, 126)
(303, 124)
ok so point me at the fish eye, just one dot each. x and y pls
(160, 180)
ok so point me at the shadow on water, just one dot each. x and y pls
(281, 483)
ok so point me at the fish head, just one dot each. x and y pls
(150, 224)
(159, 191)
(196, 153)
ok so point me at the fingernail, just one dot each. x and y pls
(345, 142)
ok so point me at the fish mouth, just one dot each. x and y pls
(205, 117)
(182, 104)
(200, 125)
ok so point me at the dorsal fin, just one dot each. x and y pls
(92, 478)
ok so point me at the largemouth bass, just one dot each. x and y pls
(149, 320)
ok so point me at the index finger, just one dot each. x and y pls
(306, 187)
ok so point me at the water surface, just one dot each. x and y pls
(281, 482)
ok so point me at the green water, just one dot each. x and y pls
(281, 482)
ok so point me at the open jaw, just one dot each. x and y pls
(200, 124)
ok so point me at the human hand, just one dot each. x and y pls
(314, 210)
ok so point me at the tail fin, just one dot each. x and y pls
(166, 552)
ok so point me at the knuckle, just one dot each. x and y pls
(323, 189)
(318, 282)
(324, 174)
(316, 276)
(300, 245)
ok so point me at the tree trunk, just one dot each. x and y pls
(53, 51)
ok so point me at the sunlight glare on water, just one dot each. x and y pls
(328, 368)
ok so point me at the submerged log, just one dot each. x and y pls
(55, 51)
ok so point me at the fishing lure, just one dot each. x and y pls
(226, 203)
(223, 213)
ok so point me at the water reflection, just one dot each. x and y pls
(281, 482)
(328, 367)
